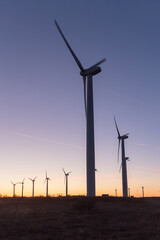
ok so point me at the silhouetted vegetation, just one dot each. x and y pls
(79, 218)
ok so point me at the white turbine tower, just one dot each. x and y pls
(46, 180)
(33, 180)
(22, 186)
(14, 188)
(87, 75)
(66, 180)
(124, 159)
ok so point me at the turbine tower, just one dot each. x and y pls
(116, 192)
(87, 75)
(129, 192)
(66, 180)
(14, 188)
(124, 159)
(33, 180)
(46, 180)
(143, 192)
(22, 186)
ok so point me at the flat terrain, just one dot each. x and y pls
(79, 218)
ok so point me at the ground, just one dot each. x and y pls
(79, 218)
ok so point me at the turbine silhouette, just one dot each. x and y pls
(124, 159)
(143, 192)
(87, 75)
(116, 192)
(14, 188)
(66, 180)
(22, 186)
(129, 192)
(33, 180)
(46, 180)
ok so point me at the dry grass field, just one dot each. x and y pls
(79, 218)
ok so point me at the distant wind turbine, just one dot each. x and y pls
(142, 191)
(33, 180)
(46, 180)
(116, 192)
(87, 75)
(14, 188)
(66, 180)
(124, 159)
(22, 186)
(129, 192)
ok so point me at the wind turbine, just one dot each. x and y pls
(129, 192)
(14, 188)
(124, 159)
(46, 180)
(116, 192)
(22, 186)
(143, 192)
(87, 75)
(66, 179)
(33, 180)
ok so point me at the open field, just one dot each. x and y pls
(79, 218)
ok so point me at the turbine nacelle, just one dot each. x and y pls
(90, 71)
(123, 137)
(67, 174)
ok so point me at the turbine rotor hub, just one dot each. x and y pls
(90, 71)
(123, 137)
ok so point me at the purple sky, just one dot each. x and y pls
(42, 124)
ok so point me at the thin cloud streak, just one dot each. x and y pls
(140, 144)
(41, 139)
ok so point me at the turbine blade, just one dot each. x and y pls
(35, 178)
(30, 179)
(64, 179)
(46, 174)
(63, 171)
(85, 99)
(23, 180)
(118, 150)
(116, 127)
(73, 54)
(68, 173)
(12, 182)
(103, 60)
(120, 167)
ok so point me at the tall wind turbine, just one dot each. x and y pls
(87, 75)
(33, 180)
(14, 188)
(22, 186)
(124, 159)
(66, 180)
(46, 180)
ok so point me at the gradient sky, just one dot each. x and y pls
(42, 123)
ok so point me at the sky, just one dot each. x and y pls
(42, 123)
